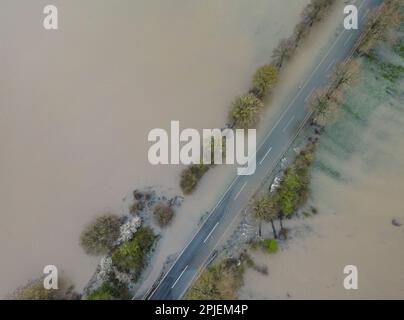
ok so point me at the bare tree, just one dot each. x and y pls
(345, 74)
(284, 51)
(379, 22)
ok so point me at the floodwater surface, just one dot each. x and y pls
(76, 106)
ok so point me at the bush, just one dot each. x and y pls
(136, 207)
(219, 282)
(99, 237)
(102, 293)
(294, 188)
(163, 215)
(35, 291)
(110, 290)
(246, 110)
(271, 246)
(191, 176)
(265, 78)
(399, 49)
(130, 256)
(391, 71)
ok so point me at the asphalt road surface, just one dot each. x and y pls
(198, 251)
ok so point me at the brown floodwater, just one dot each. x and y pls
(76, 106)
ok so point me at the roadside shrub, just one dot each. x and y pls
(99, 237)
(136, 207)
(130, 256)
(102, 293)
(294, 188)
(271, 246)
(219, 282)
(265, 78)
(246, 110)
(286, 48)
(110, 290)
(34, 291)
(163, 215)
(191, 176)
(378, 24)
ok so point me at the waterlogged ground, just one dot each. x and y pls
(358, 183)
(76, 106)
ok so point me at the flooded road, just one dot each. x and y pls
(76, 106)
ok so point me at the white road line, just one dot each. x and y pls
(266, 155)
(304, 86)
(330, 66)
(361, 5)
(242, 188)
(178, 279)
(365, 15)
(310, 94)
(288, 124)
(347, 40)
(210, 233)
(195, 234)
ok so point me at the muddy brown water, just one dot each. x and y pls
(76, 106)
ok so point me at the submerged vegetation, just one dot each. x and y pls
(327, 101)
(379, 25)
(267, 245)
(125, 245)
(191, 176)
(123, 266)
(294, 189)
(111, 290)
(264, 80)
(221, 281)
(99, 237)
(314, 12)
(35, 290)
(292, 193)
(390, 71)
(130, 257)
(379, 22)
(246, 111)
(163, 215)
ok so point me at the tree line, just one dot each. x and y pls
(327, 101)
(293, 191)
(246, 110)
